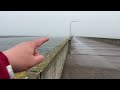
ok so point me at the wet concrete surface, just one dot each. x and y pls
(89, 59)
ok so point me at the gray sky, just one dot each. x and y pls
(56, 23)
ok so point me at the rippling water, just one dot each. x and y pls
(6, 43)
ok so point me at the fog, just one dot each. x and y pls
(57, 23)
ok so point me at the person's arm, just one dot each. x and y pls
(4, 64)
(21, 57)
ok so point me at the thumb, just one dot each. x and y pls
(38, 59)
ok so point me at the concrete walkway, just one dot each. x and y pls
(89, 59)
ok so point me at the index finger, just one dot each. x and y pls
(40, 41)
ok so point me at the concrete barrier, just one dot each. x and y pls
(107, 40)
(52, 65)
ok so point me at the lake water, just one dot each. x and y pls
(6, 43)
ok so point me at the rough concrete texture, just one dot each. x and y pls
(51, 67)
(55, 67)
(27, 75)
(90, 59)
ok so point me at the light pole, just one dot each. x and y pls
(70, 32)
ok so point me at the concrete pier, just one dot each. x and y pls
(90, 59)
(79, 58)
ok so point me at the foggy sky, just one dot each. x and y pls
(57, 23)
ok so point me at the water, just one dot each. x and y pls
(6, 43)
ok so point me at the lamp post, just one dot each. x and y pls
(70, 32)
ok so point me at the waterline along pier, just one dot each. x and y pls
(79, 58)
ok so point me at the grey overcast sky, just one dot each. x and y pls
(56, 23)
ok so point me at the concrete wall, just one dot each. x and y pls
(55, 67)
(107, 40)
(52, 65)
